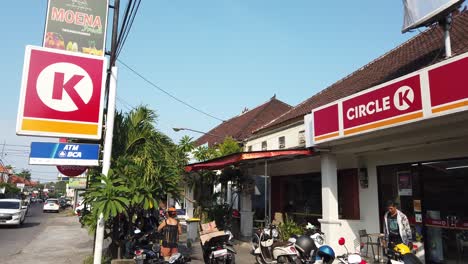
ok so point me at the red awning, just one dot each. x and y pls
(236, 158)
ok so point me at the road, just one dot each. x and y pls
(45, 238)
(15, 239)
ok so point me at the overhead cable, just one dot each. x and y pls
(167, 93)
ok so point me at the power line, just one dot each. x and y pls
(130, 13)
(167, 93)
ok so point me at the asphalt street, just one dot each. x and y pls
(14, 239)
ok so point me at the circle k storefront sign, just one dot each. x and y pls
(385, 103)
(61, 94)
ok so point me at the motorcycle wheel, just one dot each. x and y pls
(254, 242)
(232, 260)
(289, 260)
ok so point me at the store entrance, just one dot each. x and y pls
(434, 196)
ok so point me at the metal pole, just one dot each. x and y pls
(447, 24)
(107, 158)
(266, 192)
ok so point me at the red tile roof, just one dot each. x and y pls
(420, 51)
(241, 126)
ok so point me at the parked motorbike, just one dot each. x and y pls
(307, 245)
(349, 258)
(219, 249)
(143, 248)
(401, 254)
(267, 248)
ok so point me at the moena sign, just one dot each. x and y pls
(437, 90)
(61, 94)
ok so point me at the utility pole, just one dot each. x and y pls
(109, 126)
(3, 149)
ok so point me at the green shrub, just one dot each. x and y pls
(289, 228)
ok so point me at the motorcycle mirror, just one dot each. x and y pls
(341, 241)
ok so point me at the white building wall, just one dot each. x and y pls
(291, 139)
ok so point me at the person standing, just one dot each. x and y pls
(396, 229)
(171, 230)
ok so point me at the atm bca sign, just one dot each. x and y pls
(61, 94)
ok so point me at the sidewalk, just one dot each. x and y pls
(195, 252)
(63, 241)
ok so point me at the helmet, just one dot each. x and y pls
(172, 212)
(326, 253)
(305, 244)
(402, 249)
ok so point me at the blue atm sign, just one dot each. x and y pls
(45, 153)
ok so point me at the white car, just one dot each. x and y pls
(51, 205)
(12, 212)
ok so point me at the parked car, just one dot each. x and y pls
(51, 205)
(12, 212)
(80, 207)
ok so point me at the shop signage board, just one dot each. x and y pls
(437, 90)
(71, 171)
(77, 183)
(61, 94)
(77, 26)
(45, 153)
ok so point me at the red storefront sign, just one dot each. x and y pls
(62, 94)
(449, 86)
(329, 127)
(437, 90)
(383, 106)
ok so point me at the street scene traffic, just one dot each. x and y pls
(234, 132)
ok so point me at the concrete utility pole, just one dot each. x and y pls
(109, 127)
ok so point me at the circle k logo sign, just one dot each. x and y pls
(403, 98)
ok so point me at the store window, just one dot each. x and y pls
(433, 196)
(298, 196)
(264, 145)
(281, 142)
(301, 138)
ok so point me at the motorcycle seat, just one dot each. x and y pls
(281, 244)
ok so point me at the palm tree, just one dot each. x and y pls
(146, 166)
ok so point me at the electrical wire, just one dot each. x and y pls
(130, 14)
(167, 93)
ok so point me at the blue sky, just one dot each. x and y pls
(220, 56)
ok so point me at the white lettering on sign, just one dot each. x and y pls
(74, 154)
(370, 108)
(64, 87)
(71, 147)
(403, 98)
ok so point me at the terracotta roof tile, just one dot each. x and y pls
(242, 126)
(418, 52)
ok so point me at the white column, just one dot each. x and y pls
(246, 215)
(330, 224)
(189, 201)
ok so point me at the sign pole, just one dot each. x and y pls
(99, 235)
(107, 158)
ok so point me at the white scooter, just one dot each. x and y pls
(267, 248)
(349, 258)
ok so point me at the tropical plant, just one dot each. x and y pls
(108, 197)
(145, 167)
(9, 188)
(288, 228)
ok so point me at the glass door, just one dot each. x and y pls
(445, 210)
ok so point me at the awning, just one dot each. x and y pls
(237, 158)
